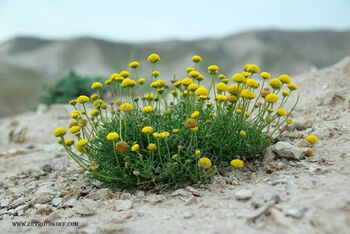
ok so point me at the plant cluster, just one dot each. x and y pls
(176, 132)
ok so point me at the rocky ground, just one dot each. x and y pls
(284, 193)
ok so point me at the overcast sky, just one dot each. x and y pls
(150, 20)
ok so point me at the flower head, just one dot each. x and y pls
(246, 93)
(122, 146)
(124, 74)
(281, 112)
(134, 64)
(237, 163)
(152, 147)
(74, 129)
(194, 74)
(127, 82)
(243, 133)
(213, 69)
(292, 86)
(126, 107)
(271, 98)
(147, 130)
(312, 139)
(252, 83)
(221, 87)
(83, 99)
(265, 75)
(94, 112)
(148, 109)
(284, 78)
(96, 85)
(276, 83)
(289, 121)
(204, 163)
(153, 58)
(186, 81)
(135, 147)
(201, 91)
(141, 81)
(192, 87)
(195, 114)
(191, 123)
(112, 136)
(196, 59)
(59, 132)
(69, 141)
(253, 68)
(238, 77)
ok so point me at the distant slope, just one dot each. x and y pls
(290, 52)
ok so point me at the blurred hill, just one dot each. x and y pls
(26, 63)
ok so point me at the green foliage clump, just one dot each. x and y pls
(66, 88)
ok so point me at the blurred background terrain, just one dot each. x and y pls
(302, 41)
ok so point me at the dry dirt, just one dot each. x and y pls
(287, 196)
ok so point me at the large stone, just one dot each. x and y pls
(243, 194)
(83, 210)
(18, 134)
(154, 198)
(122, 204)
(287, 150)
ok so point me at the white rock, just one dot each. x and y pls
(140, 194)
(295, 211)
(154, 198)
(194, 191)
(180, 192)
(56, 201)
(191, 200)
(243, 194)
(269, 155)
(83, 210)
(70, 203)
(187, 214)
(122, 204)
(286, 150)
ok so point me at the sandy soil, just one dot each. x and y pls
(39, 182)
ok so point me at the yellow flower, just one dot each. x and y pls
(164, 134)
(186, 81)
(94, 112)
(281, 112)
(94, 96)
(147, 130)
(122, 146)
(253, 68)
(174, 93)
(176, 130)
(96, 85)
(112, 136)
(289, 121)
(189, 69)
(271, 98)
(246, 74)
(284, 78)
(312, 139)
(73, 102)
(195, 114)
(252, 83)
(118, 102)
(149, 96)
(309, 152)
(285, 93)
(192, 87)
(175, 156)
(201, 91)
(158, 84)
(69, 141)
(155, 73)
(237, 163)
(222, 87)
(148, 109)
(83, 99)
(135, 147)
(153, 58)
(195, 129)
(246, 93)
(74, 114)
(134, 64)
(234, 89)
(232, 98)
(247, 113)
(239, 110)
(200, 77)
(152, 147)
(74, 129)
(245, 67)
(204, 163)
(194, 74)
(265, 75)
(275, 83)
(238, 77)
(141, 81)
(156, 135)
(113, 76)
(196, 59)
(126, 107)
(59, 132)
(243, 133)
(81, 143)
(124, 74)
(128, 83)
(292, 86)
(221, 98)
(197, 152)
(108, 82)
(213, 69)
(221, 76)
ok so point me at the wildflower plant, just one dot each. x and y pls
(178, 132)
